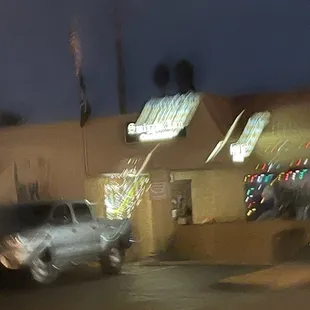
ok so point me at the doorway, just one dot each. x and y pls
(181, 194)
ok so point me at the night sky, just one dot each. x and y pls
(237, 47)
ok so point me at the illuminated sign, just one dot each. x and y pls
(238, 152)
(163, 118)
(245, 145)
(154, 132)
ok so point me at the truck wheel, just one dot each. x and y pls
(112, 262)
(42, 269)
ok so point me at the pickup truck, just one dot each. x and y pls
(50, 237)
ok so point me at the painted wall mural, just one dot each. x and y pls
(31, 177)
(24, 176)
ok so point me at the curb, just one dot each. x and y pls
(173, 263)
(231, 287)
(196, 263)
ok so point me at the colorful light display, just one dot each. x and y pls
(123, 194)
(249, 137)
(255, 185)
(124, 191)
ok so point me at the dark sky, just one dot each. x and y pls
(237, 47)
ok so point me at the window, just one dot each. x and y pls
(30, 215)
(82, 212)
(61, 215)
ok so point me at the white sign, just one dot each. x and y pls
(155, 132)
(249, 137)
(158, 191)
(134, 129)
(238, 152)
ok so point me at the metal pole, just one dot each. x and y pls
(121, 85)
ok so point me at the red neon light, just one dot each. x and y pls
(264, 166)
(308, 145)
(298, 162)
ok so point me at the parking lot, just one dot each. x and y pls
(163, 287)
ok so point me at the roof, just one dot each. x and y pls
(178, 109)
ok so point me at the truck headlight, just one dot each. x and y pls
(12, 241)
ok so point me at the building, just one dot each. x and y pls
(69, 162)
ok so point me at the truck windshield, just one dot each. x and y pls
(82, 212)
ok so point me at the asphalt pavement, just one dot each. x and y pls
(148, 288)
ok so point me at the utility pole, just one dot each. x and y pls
(121, 85)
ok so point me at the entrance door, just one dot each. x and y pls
(182, 201)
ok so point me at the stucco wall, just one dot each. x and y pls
(56, 153)
(216, 194)
(107, 148)
(51, 154)
(254, 243)
(289, 111)
(287, 134)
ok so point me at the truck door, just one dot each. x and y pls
(64, 236)
(89, 227)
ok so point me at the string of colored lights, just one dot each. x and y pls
(286, 145)
(256, 183)
(249, 137)
(276, 166)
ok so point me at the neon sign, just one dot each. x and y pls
(134, 129)
(163, 118)
(153, 132)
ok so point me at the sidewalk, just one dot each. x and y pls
(278, 277)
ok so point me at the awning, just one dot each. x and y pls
(249, 137)
(164, 118)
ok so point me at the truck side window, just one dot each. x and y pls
(61, 215)
(82, 212)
